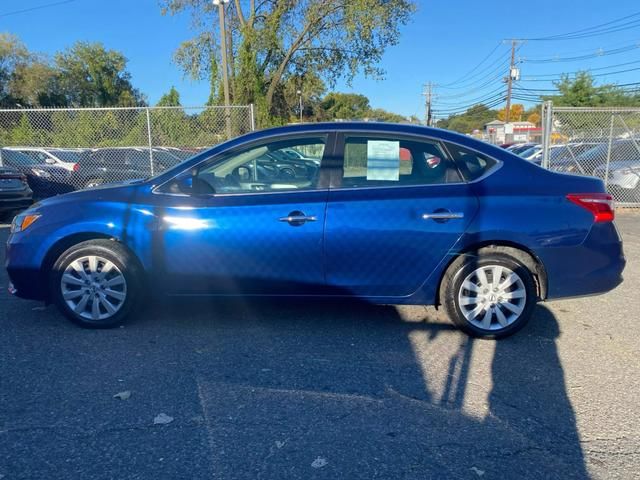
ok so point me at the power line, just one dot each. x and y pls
(39, 7)
(476, 89)
(466, 76)
(462, 106)
(470, 79)
(466, 108)
(575, 73)
(597, 54)
(473, 100)
(594, 30)
(532, 77)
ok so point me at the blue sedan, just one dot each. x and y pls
(393, 214)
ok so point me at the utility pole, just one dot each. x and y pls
(428, 94)
(513, 75)
(225, 71)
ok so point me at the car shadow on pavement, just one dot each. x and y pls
(373, 391)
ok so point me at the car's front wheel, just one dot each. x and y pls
(490, 295)
(96, 284)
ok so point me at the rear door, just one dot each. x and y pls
(395, 208)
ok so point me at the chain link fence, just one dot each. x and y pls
(61, 150)
(600, 142)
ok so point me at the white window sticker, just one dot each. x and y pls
(383, 160)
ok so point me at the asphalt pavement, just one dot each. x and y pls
(323, 389)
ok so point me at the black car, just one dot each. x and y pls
(45, 180)
(108, 165)
(15, 193)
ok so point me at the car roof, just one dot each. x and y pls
(370, 127)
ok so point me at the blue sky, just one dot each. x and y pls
(444, 41)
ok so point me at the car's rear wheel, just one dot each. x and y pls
(491, 295)
(96, 284)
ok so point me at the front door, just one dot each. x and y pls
(397, 207)
(249, 226)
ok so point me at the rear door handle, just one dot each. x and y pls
(442, 215)
(297, 218)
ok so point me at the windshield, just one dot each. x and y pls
(12, 158)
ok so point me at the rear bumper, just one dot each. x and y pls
(592, 268)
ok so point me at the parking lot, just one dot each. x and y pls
(323, 390)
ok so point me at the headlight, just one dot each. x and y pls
(23, 221)
(40, 173)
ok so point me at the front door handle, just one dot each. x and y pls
(443, 215)
(297, 218)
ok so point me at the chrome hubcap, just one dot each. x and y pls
(492, 297)
(93, 287)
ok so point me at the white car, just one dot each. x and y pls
(623, 179)
(66, 158)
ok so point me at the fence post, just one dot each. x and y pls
(150, 141)
(606, 170)
(547, 130)
(253, 117)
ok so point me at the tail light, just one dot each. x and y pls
(600, 204)
(76, 167)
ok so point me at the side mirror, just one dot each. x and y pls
(50, 161)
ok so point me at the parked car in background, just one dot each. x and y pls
(623, 178)
(531, 152)
(365, 225)
(45, 180)
(569, 151)
(588, 162)
(518, 148)
(108, 165)
(66, 158)
(15, 193)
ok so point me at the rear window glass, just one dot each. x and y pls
(472, 164)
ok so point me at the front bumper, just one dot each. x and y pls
(26, 279)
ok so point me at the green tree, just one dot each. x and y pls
(26, 79)
(382, 115)
(170, 99)
(581, 91)
(344, 106)
(473, 119)
(91, 76)
(270, 41)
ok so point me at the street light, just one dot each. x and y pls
(225, 74)
(299, 92)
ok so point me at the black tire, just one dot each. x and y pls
(452, 288)
(287, 174)
(126, 265)
(93, 182)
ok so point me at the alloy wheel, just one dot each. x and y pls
(492, 297)
(93, 287)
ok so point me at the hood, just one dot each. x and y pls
(122, 191)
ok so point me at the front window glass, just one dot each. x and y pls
(261, 168)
